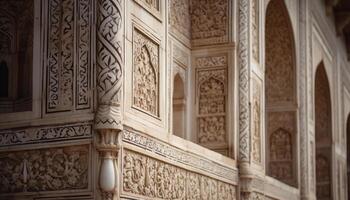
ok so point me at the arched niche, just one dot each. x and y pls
(280, 95)
(179, 107)
(323, 134)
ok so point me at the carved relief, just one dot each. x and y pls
(61, 77)
(280, 70)
(256, 121)
(179, 18)
(84, 59)
(281, 131)
(281, 160)
(212, 61)
(146, 74)
(211, 106)
(255, 29)
(243, 35)
(152, 178)
(64, 168)
(323, 177)
(109, 63)
(43, 134)
(209, 22)
(211, 129)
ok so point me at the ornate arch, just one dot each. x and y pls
(280, 94)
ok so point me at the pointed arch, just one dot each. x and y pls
(280, 94)
(323, 134)
(179, 106)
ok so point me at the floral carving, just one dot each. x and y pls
(243, 48)
(209, 21)
(148, 177)
(152, 178)
(281, 152)
(211, 129)
(146, 73)
(64, 168)
(212, 98)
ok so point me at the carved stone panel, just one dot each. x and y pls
(69, 55)
(256, 120)
(281, 137)
(209, 22)
(211, 106)
(145, 73)
(281, 155)
(63, 168)
(179, 18)
(148, 177)
(45, 134)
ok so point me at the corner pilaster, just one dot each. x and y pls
(109, 72)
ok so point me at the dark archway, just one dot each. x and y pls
(323, 133)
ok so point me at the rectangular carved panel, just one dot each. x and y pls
(146, 176)
(45, 134)
(145, 73)
(69, 55)
(179, 19)
(211, 93)
(54, 169)
(281, 133)
(209, 22)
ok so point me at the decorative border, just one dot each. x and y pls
(43, 134)
(180, 156)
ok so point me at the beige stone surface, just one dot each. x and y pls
(176, 99)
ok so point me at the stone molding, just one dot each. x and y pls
(172, 153)
(34, 135)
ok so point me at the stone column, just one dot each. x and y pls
(251, 187)
(109, 70)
